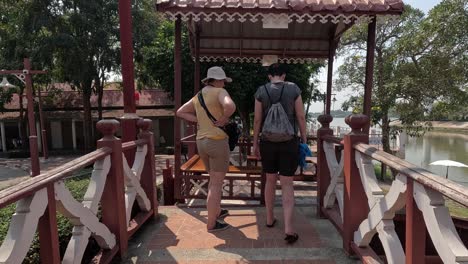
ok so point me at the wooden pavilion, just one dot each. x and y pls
(284, 31)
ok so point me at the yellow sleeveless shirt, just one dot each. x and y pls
(206, 128)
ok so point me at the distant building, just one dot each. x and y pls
(63, 117)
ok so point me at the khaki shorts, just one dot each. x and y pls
(214, 154)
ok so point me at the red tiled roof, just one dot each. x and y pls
(78, 115)
(345, 6)
(111, 98)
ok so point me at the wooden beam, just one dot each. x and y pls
(258, 55)
(331, 55)
(177, 104)
(240, 37)
(197, 61)
(261, 52)
(169, 7)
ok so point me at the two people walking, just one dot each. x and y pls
(278, 106)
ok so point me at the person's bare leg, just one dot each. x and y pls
(270, 191)
(213, 200)
(287, 193)
(209, 186)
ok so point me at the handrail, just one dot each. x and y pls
(133, 144)
(332, 139)
(446, 187)
(34, 184)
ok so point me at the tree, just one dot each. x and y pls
(85, 43)
(22, 34)
(414, 66)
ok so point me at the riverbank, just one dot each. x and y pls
(445, 126)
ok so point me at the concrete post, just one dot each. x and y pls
(39, 136)
(2, 131)
(74, 133)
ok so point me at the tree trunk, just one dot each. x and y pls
(245, 117)
(386, 133)
(100, 93)
(87, 120)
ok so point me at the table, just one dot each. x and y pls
(195, 179)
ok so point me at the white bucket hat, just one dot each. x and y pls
(216, 73)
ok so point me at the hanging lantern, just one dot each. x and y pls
(5, 84)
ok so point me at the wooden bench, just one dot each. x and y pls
(195, 179)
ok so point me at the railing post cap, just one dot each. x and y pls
(144, 124)
(325, 120)
(357, 122)
(108, 127)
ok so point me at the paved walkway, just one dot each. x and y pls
(13, 171)
(180, 236)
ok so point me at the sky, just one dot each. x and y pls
(424, 5)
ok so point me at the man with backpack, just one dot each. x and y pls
(279, 114)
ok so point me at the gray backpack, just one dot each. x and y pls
(276, 126)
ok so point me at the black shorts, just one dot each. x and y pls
(280, 157)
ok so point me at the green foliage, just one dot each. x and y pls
(77, 187)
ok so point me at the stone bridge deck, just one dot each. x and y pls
(180, 236)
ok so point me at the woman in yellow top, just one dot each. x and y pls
(212, 141)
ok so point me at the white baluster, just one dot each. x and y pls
(22, 228)
(440, 225)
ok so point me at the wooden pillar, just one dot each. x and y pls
(129, 119)
(113, 197)
(168, 183)
(323, 172)
(331, 54)
(177, 104)
(48, 231)
(2, 131)
(415, 246)
(355, 201)
(197, 62)
(192, 128)
(369, 70)
(148, 176)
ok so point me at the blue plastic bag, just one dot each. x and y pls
(304, 152)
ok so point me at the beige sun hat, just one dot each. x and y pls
(216, 73)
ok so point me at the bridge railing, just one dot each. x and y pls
(360, 209)
(105, 212)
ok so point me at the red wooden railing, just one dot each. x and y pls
(113, 186)
(351, 198)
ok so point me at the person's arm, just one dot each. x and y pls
(300, 115)
(187, 112)
(258, 116)
(229, 107)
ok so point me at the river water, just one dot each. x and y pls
(435, 146)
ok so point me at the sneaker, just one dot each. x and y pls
(219, 226)
(223, 213)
